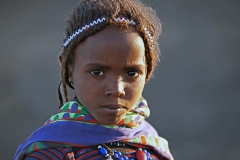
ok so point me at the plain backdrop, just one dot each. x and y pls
(194, 96)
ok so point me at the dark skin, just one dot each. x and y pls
(109, 73)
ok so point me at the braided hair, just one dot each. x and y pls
(90, 10)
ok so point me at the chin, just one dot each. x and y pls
(110, 121)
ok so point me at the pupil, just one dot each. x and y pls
(132, 73)
(97, 72)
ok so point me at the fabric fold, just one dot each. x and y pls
(78, 131)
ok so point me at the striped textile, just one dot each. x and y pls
(88, 153)
(73, 127)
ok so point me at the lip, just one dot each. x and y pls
(113, 108)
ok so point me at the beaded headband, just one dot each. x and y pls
(100, 20)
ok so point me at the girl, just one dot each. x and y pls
(108, 54)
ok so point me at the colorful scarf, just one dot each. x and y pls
(73, 126)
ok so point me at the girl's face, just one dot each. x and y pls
(109, 73)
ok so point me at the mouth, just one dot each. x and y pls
(114, 108)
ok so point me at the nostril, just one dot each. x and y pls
(115, 88)
(122, 94)
(115, 93)
(118, 92)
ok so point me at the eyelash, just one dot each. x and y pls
(92, 72)
(101, 73)
(136, 73)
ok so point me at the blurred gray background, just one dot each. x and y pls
(194, 97)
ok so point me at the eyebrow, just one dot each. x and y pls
(97, 65)
(102, 66)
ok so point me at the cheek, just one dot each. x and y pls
(136, 89)
(85, 89)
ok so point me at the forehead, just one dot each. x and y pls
(111, 41)
(114, 34)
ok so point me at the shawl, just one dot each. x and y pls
(73, 126)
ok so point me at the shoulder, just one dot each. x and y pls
(56, 153)
(65, 153)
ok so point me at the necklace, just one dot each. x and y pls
(110, 154)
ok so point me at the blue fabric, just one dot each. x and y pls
(67, 133)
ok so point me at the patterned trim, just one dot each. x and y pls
(74, 111)
(100, 20)
(124, 20)
(86, 27)
(80, 153)
(149, 36)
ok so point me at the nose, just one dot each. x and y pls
(115, 88)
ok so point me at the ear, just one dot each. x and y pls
(61, 60)
(60, 56)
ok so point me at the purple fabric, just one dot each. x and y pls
(81, 134)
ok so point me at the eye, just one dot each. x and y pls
(97, 72)
(133, 73)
